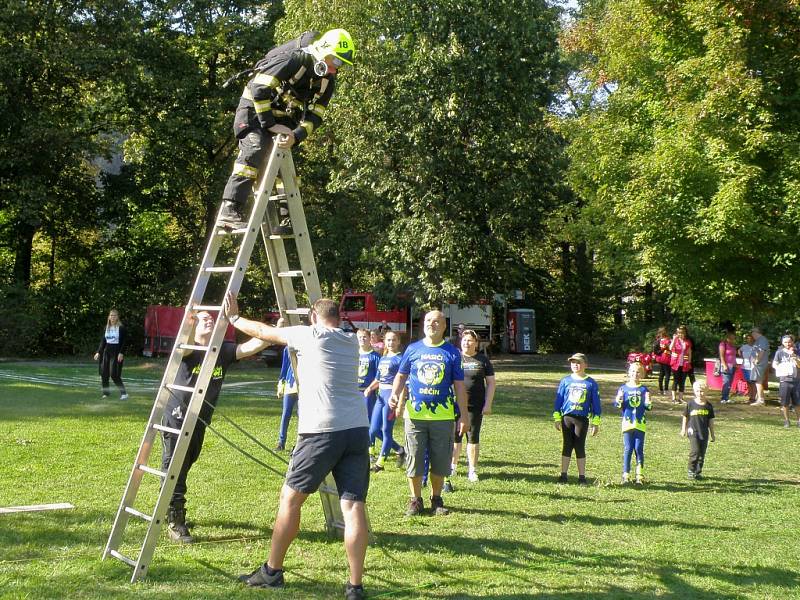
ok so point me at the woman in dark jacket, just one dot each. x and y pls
(110, 355)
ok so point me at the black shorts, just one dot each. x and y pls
(344, 453)
(474, 431)
(788, 393)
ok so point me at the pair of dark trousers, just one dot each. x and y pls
(111, 368)
(253, 148)
(664, 373)
(697, 454)
(192, 453)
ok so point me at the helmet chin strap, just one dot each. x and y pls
(320, 68)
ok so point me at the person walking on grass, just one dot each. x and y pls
(110, 355)
(760, 363)
(333, 436)
(785, 364)
(576, 410)
(433, 370)
(479, 381)
(178, 404)
(383, 416)
(698, 425)
(661, 352)
(634, 401)
(727, 359)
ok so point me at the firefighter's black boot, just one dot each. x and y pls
(177, 529)
(232, 215)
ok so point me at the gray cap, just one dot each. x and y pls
(578, 357)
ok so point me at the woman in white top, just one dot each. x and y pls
(110, 356)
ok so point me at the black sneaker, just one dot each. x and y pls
(354, 592)
(437, 506)
(401, 459)
(448, 488)
(261, 579)
(280, 447)
(415, 507)
(582, 480)
(231, 216)
(376, 468)
(562, 478)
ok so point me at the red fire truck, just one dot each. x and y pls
(361, 310)
(161, 325)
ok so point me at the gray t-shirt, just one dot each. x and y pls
(327, 378)
(761, 347)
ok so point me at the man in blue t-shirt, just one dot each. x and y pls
(433, 370)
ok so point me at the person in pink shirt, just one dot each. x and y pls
(680, 362)
(727, 360)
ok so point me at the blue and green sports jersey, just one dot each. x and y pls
(432, 371)
(387, 369)
(579, 397)
(367, 367)
(634, 402)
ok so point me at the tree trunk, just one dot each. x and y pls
(24, 250)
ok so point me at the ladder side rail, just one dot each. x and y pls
(300, 227)
(176, 462)
(146, 445)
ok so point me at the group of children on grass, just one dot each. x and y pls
(576, 412)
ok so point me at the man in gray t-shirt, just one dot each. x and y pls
(760, 362)
(333, 436)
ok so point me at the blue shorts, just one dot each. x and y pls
(343, 453)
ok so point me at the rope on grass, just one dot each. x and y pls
(251, 437)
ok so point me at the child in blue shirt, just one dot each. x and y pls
(576, 410)
(634, 401)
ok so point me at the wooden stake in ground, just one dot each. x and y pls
(34, 508)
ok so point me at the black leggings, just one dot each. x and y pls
(573, 433)
(678, 380)
(664, 373)
(474, 431)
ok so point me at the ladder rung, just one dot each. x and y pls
(241, 231)
(180, 388)
(206, 307)
(136, 513)
(152, 471)
(166, 429)
(290, 274)
(192, 347)
(278, 197)
(123, 558)
(298, 311)
(287, 236)
(220, 269)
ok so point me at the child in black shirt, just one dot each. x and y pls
(699, 416)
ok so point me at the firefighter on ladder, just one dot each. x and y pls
(288, 96)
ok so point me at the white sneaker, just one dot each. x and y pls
(472, 476)
(123, 397)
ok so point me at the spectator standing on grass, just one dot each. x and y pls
(368, 360)
(383, 417)
(698, 425)
(432, 368)
(110, 356)
(479, 381)
(575, 411)
(747, 352)
(287, 391)
(727, 359)
(760, 363)
(661, 352)
(680, 362)
(785, 365)
(634, 401)
(333, 436)
(692, 345)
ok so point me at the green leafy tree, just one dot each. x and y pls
(686, 157)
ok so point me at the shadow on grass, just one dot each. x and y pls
(724, 485)
(523, 557)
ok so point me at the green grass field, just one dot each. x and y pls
(515, 534)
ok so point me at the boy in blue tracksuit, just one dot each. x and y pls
(634, 401)
(287, 389)
(576, 409)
